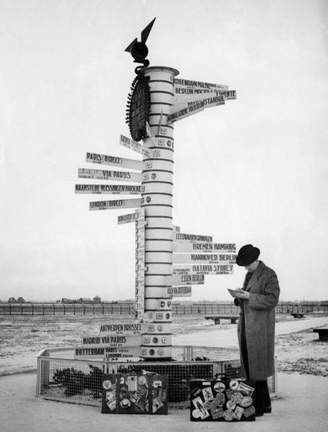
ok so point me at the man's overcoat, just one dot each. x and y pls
(259, 319)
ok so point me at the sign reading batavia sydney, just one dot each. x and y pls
(168, 262)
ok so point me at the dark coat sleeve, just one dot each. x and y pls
(268, 296)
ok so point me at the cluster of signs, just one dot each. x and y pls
(116, 341)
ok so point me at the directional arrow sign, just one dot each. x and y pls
(181, 111)
(206, 269)
(114, 160)
(204, 247)
(135, 146)
(107, 352)
(185, 280)
(115, 204)
(180, 237)
(110, 175)
(115, 341)
(183, 100)
(179, 291)
(204, 258)
(201, 86)
(108, 189)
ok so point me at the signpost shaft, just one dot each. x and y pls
(157, 200)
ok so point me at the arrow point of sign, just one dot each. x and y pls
(128, 49)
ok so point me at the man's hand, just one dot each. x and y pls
(242, 294)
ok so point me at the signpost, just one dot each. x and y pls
(167, 262)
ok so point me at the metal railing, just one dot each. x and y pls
(127, 308)
(62, 378)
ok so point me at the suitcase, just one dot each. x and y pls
(222, 400)
(134, 394)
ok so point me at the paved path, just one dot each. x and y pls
(301, 406)
(226, 336)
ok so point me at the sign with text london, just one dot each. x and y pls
(167, 262)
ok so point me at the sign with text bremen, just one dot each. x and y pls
(204, 246)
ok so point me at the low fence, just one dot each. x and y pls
(127, 308)
(62, 378)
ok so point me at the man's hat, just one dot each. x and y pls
(247, 255)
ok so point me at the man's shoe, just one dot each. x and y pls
(258, 413)
(267, 409)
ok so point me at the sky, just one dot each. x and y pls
(254, 170)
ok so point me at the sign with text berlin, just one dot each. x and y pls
(108, 189)
(114, 204)
(114, 160)
(110, 175)
(135, 146)
(182, 100)
(204, 258)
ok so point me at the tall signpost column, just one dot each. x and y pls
(168, 262)
(157, 197)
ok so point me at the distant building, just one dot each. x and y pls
(97, 299)
(85, 300)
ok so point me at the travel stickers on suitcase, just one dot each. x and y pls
(223, 400)
(134, 394)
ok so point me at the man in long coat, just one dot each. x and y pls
(256, 326)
